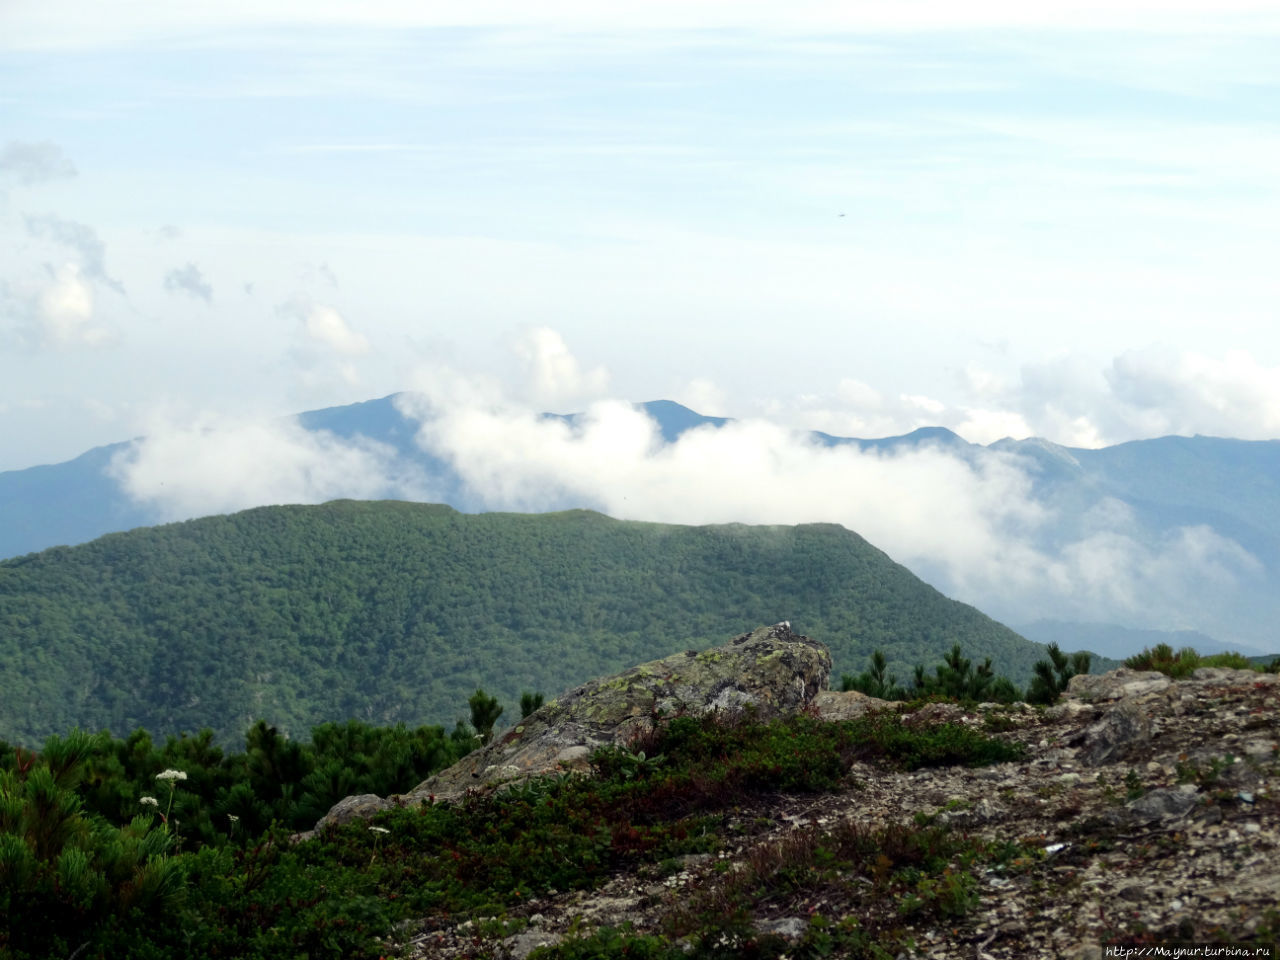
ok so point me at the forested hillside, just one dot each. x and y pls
(394, 612)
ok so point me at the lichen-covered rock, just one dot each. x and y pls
(1174, 837)
(836, 705)
(1116, 685)
(772, 670)
(355, 808)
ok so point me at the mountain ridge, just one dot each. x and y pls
(1159, 492)
(394, 612)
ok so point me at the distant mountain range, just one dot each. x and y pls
(395, 612)
(1167, 501)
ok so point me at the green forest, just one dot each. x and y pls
(394, 613)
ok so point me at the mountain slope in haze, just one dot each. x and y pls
(395, 612)
(1116, 643)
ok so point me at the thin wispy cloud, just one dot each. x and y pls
(189, 280)
(79, 238)
(32, 163)
(71, 23)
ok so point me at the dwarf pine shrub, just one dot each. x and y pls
(1161, 657)
(66, 872)
(1053, 675)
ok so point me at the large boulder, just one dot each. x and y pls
(771, 670)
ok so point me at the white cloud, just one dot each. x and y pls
(57, 314)
(1168, 391)
(326, 348)
(858, 394)
(325, 325)
(552, 374)
(66, 309)
(221, 466)
(703, 395)
(857, 409)
(987, 426)
(1148, 392)
(1115, 576)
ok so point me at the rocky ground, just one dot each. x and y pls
(1153, 805)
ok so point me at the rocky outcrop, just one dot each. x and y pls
(771, 670)
(1154, 804)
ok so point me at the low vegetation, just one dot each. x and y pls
(119, 849)
(115, 848)
(1186, 661)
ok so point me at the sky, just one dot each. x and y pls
(1011, 222)
(1008, 219)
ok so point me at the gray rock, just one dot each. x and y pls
(1116, 685)
(363, 806)
(1166, 803)
(1114, 736)
(1230, 676)
(847, 704)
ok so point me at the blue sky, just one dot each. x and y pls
(1053, 219)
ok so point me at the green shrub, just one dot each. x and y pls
(1186, 661)
(64, 871)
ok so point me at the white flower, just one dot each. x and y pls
(149, 801)
(233, 818)
(171, 775)
(379, 829)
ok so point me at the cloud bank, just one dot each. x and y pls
(219, 466)
(968, 524)
(966, 519)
